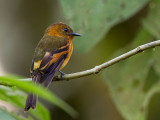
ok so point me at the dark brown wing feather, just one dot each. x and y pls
(52, 69)
(44, 79)
(51, 62)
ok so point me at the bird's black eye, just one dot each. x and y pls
(65, 29)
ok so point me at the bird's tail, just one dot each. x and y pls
(45, 80)
(31, 102)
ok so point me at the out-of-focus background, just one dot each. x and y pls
(128, 90)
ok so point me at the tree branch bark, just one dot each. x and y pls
(99, 68)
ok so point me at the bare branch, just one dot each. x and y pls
(98, 68)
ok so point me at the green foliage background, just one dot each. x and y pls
(128, 90)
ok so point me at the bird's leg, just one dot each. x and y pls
(62, 74)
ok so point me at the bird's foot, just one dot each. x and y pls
(62, 74)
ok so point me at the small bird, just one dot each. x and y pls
(51, 55)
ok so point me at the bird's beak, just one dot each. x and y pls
(75, 34)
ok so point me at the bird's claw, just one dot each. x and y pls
(62, 74)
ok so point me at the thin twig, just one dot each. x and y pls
(98, 68)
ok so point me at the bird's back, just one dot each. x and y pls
(48, 43)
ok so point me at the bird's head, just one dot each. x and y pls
(61, 30)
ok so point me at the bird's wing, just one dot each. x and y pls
(48, 70)
(49, 64)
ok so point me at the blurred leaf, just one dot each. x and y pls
(137, 78)
(132, 80)
(125, 81)
(6, 116)
(94, 18)
(16, 117)
(42, 92)
(151, 79)
(153, 112)
(18, 98)
(151, 23)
